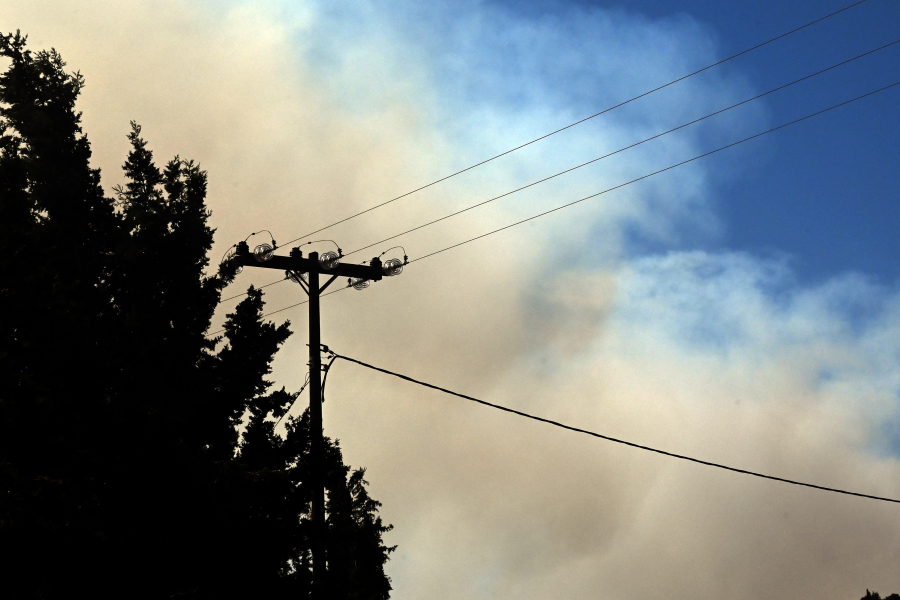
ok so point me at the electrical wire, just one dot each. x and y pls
(226, 253)
(545, 136)
(209, 335)
(271, 237)
(669, 168)
(388, 250)
(616, 440)
(245, 293)
(274, 282)
(316, 241)
(659, 135)
(325, 377)
(303, 387)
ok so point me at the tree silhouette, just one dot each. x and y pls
(875, 596)
(122, 469)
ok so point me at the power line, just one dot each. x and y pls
(627, 183)
(208, 335)
(659, 135)
(616, 440)
(543, 137)
(669, 168)
(245, 293)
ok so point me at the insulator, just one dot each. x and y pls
(295, 276)
(360, 284)
(392, 266)
(263, 253)
(329, 260)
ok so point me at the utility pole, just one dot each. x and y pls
(315, 429)
(305, 272)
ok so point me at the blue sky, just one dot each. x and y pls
(743, 308)
(825, 192)
(822, 193)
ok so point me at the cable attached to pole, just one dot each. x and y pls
(327, 368)
(569, 170)
(612, 439)
(621, 185)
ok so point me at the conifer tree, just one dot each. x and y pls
(122, 469)
(876, 596)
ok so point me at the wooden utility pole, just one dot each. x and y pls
(305, 271)
(315, 429)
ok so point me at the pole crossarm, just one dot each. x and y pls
(305, 271)
(372, 271)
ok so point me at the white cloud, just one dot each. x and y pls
(307, 112)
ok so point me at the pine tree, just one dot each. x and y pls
(876, 596)
(122, 468)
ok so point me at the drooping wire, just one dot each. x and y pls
(230, 248)
(393, 248)
(271, 237)
(616, 440)
(545, 136)
(405, 257)
(303, 387)
(627, 183)
(327, 369)
(659, 135)
(340, 252)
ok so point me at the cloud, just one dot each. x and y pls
(700, 354)
(304, 113)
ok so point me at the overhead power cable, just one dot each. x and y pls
(245, 293)
(669, 168)
(627, 183)
(658, 135)
(616, 440)
(588, 118)
(208, 335)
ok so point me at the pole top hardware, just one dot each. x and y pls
(327, 263)
(323, 348)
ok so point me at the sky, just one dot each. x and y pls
(743, 308)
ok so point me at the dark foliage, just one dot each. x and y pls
(122, 471)
(874, 596)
